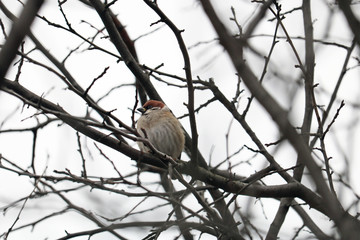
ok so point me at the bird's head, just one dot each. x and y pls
(152, 106)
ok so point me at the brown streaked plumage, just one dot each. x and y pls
(161, 128)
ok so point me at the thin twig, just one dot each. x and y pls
(188, 75)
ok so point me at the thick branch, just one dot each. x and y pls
(28, 97)
(120, 45)
(19, 30)
(334, 209)
(353, 22)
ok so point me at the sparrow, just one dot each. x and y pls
(161, 128)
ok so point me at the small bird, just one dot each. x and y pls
(161, 128)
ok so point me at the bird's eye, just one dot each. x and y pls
(148, 107)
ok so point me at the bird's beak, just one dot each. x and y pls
(142, 110)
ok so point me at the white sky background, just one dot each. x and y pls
(57, 146)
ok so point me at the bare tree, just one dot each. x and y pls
(282, 167)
